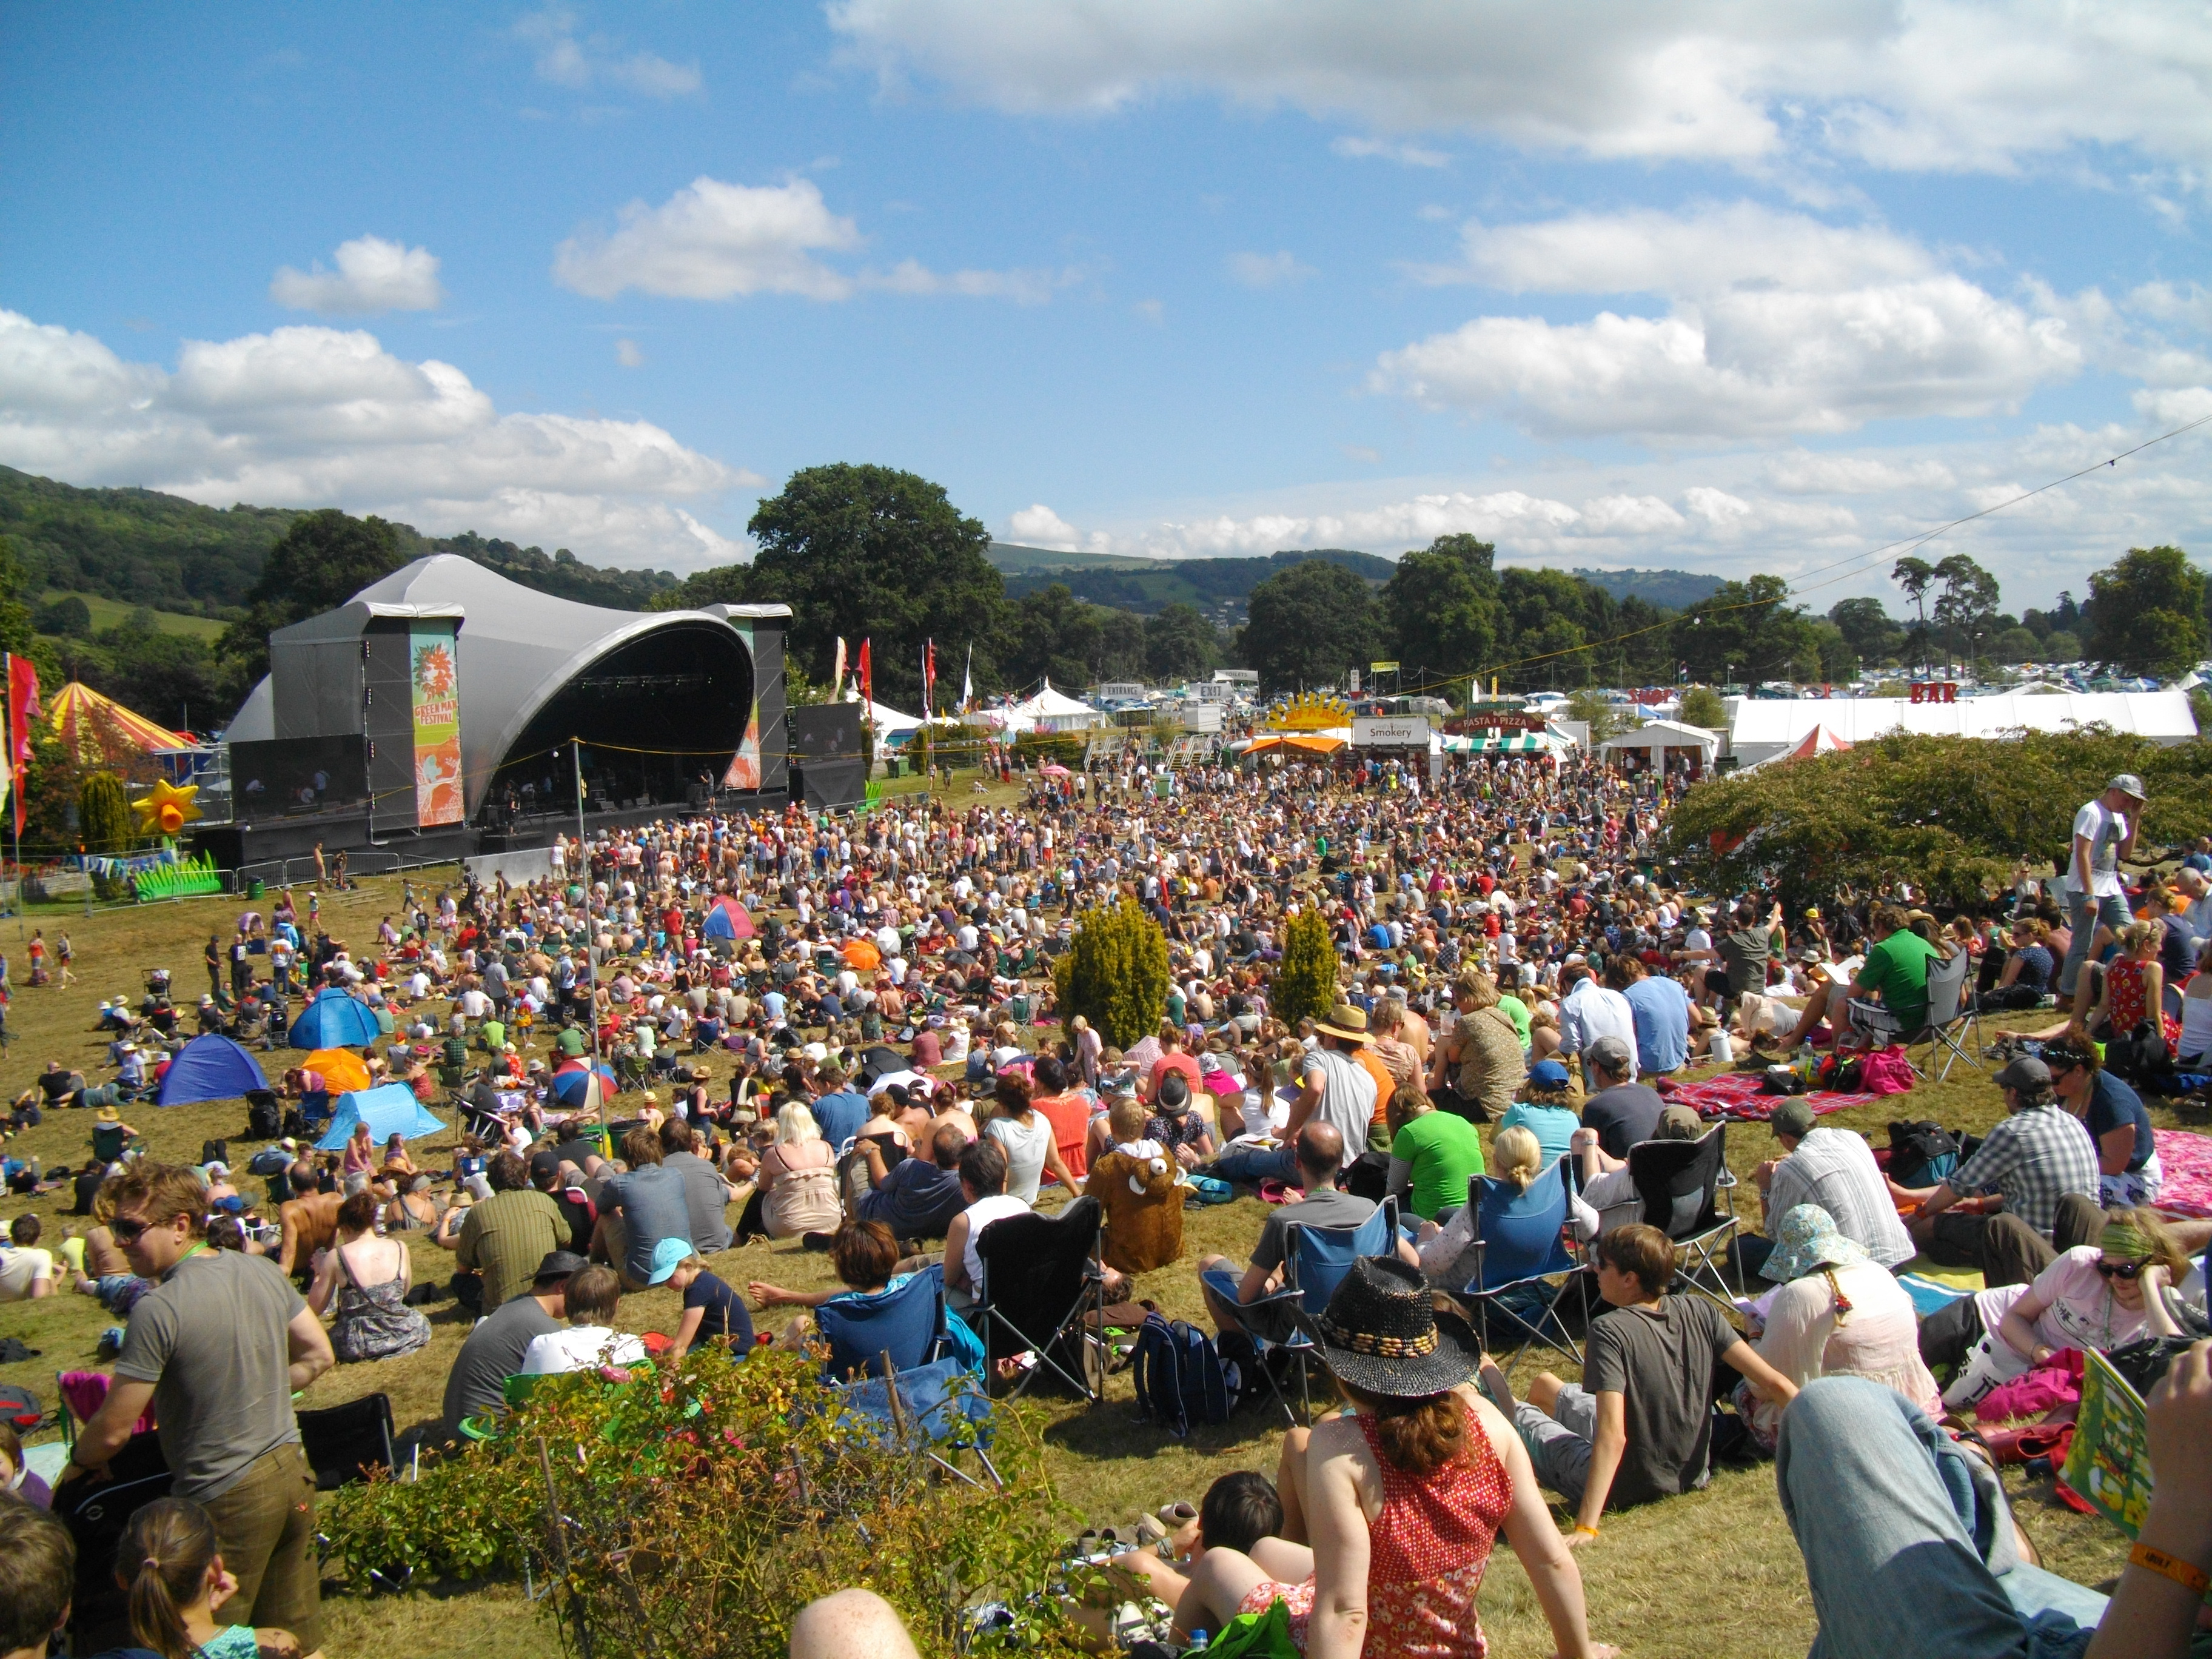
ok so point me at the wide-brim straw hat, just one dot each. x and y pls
(1381, 1334)
(1345, 1021)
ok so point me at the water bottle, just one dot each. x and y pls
(1724, 1046)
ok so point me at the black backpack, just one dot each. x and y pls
(264, 1119)
(1920, 1154)
(1181, 1376)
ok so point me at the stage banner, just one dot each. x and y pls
(745, 769)
(437, 698)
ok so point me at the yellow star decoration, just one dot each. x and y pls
(167, 810)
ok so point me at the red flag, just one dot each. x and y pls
(928, 676)
(23, 706)
(867, 676)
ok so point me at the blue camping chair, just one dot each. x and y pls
(1519, 1245)
(907, 1323)
(1318, 1260)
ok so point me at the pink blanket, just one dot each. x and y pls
(2186, 1158)
(1737, 1095)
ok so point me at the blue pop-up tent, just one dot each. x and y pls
(389, 1109)
(726, 919)
(211, 1067)
(335, 1020)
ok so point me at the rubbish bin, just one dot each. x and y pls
(254, 889)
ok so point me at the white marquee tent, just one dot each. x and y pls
(1765, 728)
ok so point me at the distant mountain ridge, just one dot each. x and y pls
(142, 547)
(1220, 587)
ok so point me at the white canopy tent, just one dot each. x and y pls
(1047, 710)
(1765, 728)
(1661, 740)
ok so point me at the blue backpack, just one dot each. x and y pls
(1181, 1376)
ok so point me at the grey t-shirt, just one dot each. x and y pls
(211, 1340)
(493, 1353)
(708, 1200)
(1327, 1207)
(655, 1204)
(1347, 1097)
(1662, 1363)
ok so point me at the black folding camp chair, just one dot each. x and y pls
(1682, 1184)
(343, 1442)
(1041, 1277)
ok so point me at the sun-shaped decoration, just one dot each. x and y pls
(167, 810)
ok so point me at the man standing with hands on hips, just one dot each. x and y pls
(217, 1347)
(2104, 834)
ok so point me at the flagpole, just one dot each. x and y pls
(591, 953)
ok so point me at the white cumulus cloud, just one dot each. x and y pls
(1410, 155)
(713, 241)
(1938, 86)
(565, 58)
(1038, 526)
(372, 275)
(316, 416)
(1774, 323)
(1267, 269)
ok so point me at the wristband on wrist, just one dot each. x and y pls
(2193, 1579)
(1587, 1530)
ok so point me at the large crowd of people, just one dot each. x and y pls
(844, 1031)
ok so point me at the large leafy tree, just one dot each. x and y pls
(1966, 611)
(871, 552)
(1308, 625)
(321, 562)
(1179, 644)
(1443, 609)
(1749, 631)
(1867, 629)
(2146, 613)
(1053, 635)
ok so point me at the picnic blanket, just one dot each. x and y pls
(2186, 1158)
(1737, 1095)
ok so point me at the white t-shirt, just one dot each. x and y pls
(21, 1268)
(578, 1348)
(980, 1214)
(2083, 1312)
(1026, 1145)
(2104, 829)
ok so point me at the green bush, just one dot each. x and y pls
(103, 813)
(1305, 979)
(1702, 706)
(1114, 973)
(1955, 816)
(704, 1505)
(1036, 748)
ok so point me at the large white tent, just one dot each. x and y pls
(1047, 710)
(1765, 728)
(1658, 738)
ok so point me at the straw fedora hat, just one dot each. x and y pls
(1345, 1023)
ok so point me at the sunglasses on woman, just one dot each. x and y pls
(2121, 1269)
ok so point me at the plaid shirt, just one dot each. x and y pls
(2034, 1158)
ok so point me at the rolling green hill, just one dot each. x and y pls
(1219, 587)
(139, 547)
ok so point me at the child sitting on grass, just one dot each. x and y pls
(168, 1563)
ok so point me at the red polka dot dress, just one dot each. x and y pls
(1427, 1549)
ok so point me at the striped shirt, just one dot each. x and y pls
(1835, 1169)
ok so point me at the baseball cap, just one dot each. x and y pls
(1679, 1123)
(2027, 1074)
(667, 1256)
(1793, 1118)
(2129, 784)
(1548, 1074)
(544, 1161)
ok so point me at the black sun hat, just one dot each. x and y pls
(1381, 1334)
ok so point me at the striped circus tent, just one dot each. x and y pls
(92, 727)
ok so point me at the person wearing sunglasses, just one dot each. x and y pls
(2128, 1170)
(217, 1348)
(2096, 1296)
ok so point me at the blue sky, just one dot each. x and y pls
(1719, 285)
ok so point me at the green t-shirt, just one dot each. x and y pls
(1517, 1011)
(1898, 967)
(570, 1042)
(1444, 1152)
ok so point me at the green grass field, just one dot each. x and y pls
(1713, 1574)
(111, 613)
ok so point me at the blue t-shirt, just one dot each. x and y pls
(1660, 1009)
(1553, 1127)
(2112, 1103)
(841, 1116)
